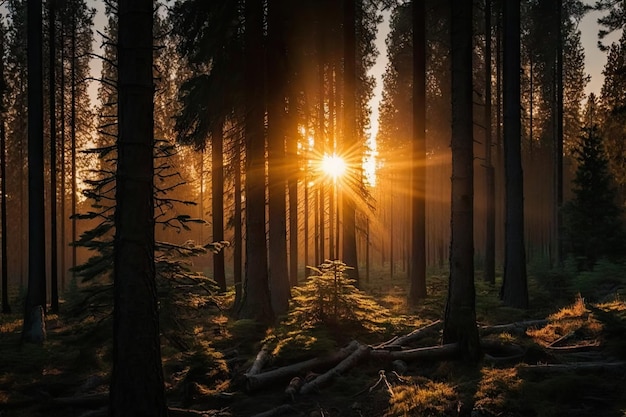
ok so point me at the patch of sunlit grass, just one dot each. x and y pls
(10, 326)
(507, 338)
(427, 398)
(578, 309)
(573, 322)
(615, 306)
(498, 391)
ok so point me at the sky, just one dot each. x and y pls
(594, 58)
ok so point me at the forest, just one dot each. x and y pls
(206, 210)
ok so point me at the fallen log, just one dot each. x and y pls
(574, 367)
(278, 411)
(518, 327)
(582, 347)
(254, 382)
(433, 352)
(349, 362)
(561, 339)
(262, 358)
(410, 337)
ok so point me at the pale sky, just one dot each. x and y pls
(594, 58)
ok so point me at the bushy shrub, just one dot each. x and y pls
(330, 298)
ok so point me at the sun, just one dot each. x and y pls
(333, 165)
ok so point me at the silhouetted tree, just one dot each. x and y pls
(277, 173)
(417, 269)
(489, 273)
(137, 377)
(593, 219)
(255, 302)
(6, 308)
(35, 303)
(351, 142)
(514, 288)
(460, 315)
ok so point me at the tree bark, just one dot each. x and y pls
(490, 184)
(237, 221)
(448, 350)
(54, 273)
(558, 151)
(217, 200)
(417, 269)
(137, 378)
(460, 315)
(277, 173)
(6, 308)
(255, 303)
(36, 293)
(514, 288)
(355, 357)
(351, 144)
(255, 382)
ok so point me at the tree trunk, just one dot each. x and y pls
(6, 309)
(292, 184)
(73, 136)
(514, 288)
(558, 152)
(36, 294)
(217, 200)
(54, 285)
(256, 302)
(137, 377)
(237, 220)
(276, 121)
(460, 315)
(350, 142)
(417, 269)
(490, 186)
(62, 143)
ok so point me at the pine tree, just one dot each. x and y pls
(593, 219)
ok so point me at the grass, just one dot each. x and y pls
(208, 374)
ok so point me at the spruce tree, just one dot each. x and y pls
(593, 219)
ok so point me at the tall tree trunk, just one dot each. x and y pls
(558, 152)
(237, 220)
(6, 308)
(490, 185)
(417, 269)
(350, 140)
(73, 136)
(460, 316)
(137, 377)
(292, 184)
(514, 288)
(277, 173)
(321, 149)
(201, 202)
(256, 302)
(33, 330)
(54, 285)
(217, 200)
(62, 143)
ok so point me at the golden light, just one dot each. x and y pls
(333, 165)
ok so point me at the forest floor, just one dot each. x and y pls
(571, 364)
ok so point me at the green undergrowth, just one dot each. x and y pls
(206, 355)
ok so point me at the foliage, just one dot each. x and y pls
(330, 298)
(593, 226)
(326, 311)
(425, 398)
(605, 279)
